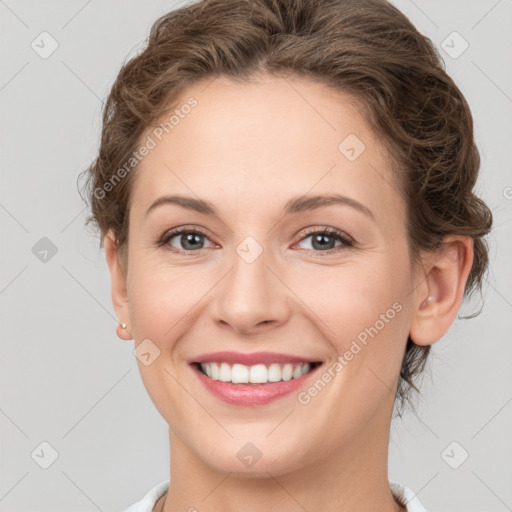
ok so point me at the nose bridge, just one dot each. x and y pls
(250, 294)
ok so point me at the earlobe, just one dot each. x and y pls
(123, 333)
(119, 288)
(438, 300)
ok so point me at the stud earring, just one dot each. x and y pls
(427, 301)
(123, 326)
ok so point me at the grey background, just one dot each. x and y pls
(65, 377)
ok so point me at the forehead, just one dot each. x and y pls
(254, 145)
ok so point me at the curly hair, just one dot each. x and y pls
(365, 48)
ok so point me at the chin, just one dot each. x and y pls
(246, 459)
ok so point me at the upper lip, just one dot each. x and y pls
(251, 358)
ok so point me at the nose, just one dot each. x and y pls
(252, 298)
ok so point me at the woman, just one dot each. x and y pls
(284, 190)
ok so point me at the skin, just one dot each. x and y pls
(247, 149)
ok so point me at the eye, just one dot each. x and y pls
(184, 240)
(324, 239)
(191, 240)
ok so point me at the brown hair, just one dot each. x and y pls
(366, 48)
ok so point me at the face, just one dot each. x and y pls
(251, 269)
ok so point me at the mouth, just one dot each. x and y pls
(252, 379)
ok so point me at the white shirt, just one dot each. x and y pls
(403, 494)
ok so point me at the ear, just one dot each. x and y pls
(439, 296)
(119, 291)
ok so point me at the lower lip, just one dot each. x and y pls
(251, 394)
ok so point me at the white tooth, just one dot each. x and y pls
(215, 371)
(225, 372)
(287, 372)
(297, 371)
(206, 369)
(239, 374)
(274, 372)
(258, 374)
(305, 368)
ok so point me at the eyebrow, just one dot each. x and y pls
(294, 205)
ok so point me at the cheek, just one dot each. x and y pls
(361, 310)
(162, 309)
(376, 334)
(348, 299)
(163, 301)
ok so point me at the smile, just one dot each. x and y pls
(252, 379)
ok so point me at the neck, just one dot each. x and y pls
(352, 477)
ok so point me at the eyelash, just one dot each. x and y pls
(331, 232)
